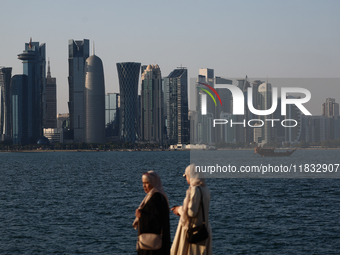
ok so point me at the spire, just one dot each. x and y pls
(93, 48)
(48, 69)
(30, 44)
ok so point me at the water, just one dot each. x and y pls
(84, 203)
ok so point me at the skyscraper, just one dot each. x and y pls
(78, 52)
(330, 108)
(265, 102)
(34, 64)
(128, 75)
(19, 107)
(152, 118)
(5, 102)
(51, 100)
(177, 106)
(112, 105)
(94, 100)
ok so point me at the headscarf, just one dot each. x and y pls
(153, 178)
(195, 180)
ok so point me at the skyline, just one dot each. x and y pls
(257, 39)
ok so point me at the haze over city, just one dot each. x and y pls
(235, 38)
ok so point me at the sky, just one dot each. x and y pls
(271, 39)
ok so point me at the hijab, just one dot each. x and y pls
(195, 180)
(153, 178)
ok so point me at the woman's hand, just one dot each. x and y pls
(138, 213)
(175, 210)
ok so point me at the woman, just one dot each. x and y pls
(191, 215)
(152, 215)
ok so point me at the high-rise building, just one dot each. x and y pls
(34, 64)
(177, 106)
(78, 52)
(128, 75)
(51, 100)
(19, 107)
(265, 102)
(152, 119)
(112, 105)
(94, 100)
(330, 108)
(5, 102)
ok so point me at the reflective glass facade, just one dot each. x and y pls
(5, 84)
(19, 109)
(78, 53)
(152, 118)
(112, 114)
(51, 100)
(128, 75)
(177, 106)
(34, 64)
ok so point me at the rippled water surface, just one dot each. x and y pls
(84, 203)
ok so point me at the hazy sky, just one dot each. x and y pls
(274, 39)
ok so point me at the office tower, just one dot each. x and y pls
(223, 110)
(51, 100)
(177, 106)
(19, 105)
(94, 100)
(5, 102)
(112, 105)
(78, 52)
(265, 100)
(34, 63)
(152, 119)
(330, 108)
(292, 134)
(128, 75)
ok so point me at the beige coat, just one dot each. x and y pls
(180, 245)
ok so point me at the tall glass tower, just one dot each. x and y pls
(78, 52)
(5, 85)
(128, 75)
(152, 117)
(177, 106)
(19, 109)
(34, 64)
(51, 100)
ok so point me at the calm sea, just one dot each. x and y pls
(84, 203)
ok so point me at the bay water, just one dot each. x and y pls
(84, 203)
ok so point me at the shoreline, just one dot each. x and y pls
(148, 150)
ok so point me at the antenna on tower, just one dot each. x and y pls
(93, 48)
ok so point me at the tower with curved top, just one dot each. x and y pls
(94, 100)
(128, 75)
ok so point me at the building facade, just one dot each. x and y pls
(34, 65)
(112, 105)
(5, 103)
(128, 75)
(94, 101)
(78, 52)
(177, 106)
(152, 117)
(51, 100)
(19, 109)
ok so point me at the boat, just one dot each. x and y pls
(270, 152)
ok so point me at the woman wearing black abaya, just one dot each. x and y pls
(152, 215)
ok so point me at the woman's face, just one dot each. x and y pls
(146, 185)
(188, 179)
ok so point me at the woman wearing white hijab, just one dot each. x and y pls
(191, 213)
(152, 215)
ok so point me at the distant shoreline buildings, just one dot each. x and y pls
(159, 115)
